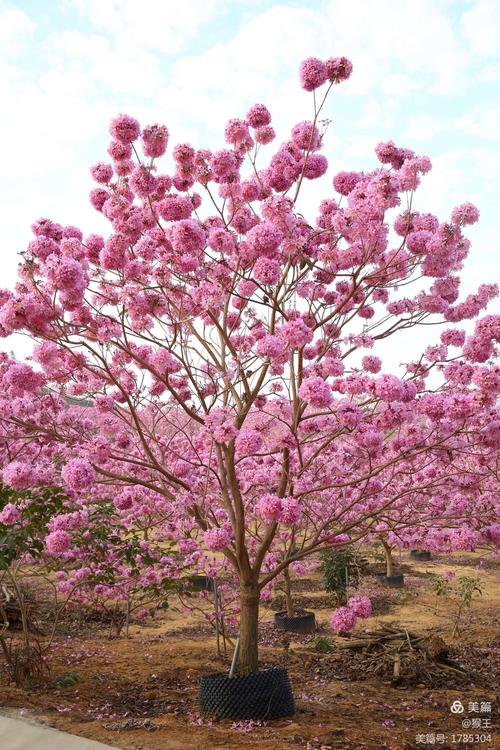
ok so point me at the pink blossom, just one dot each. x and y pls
(371, 363)
(267, 271)
(188, 236)
(360, 605)
(265, 135)
(21, 377)
(273, 347)
(345, 182)
(270, 508)
(47, 228)
(330, 538)
(248, 442)
(349, 414)
(453, 337)
(124, 129)
(492, 533)
(57, 542)
(10, 514)
(315, 166)
(258, 116)
(42, 247)
(290, 511)
(68, 521)
(67, 274)
(369, 437)
(246, 287)
(343, 619)
(102, 172)
(18, 475)
(221, 240)
(338, 69)
(165, 363)
(467, 213)
(236, 131)
(221, 426)
(389, 388)
(113, 254)
(142, 181)
(305, 135)
(217, 539)
(316, 392)
(491, 434)
(175, 207)
(155, 140)
(296, 333)
(224, 164)
(184, 154)
(264, 239)
(78, 474)
(313, 73)
(98, 198)
(119, 151)
(333, 366)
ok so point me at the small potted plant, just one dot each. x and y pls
(292, 619)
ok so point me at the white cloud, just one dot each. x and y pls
(481, 27)
(415, 37)
(375, 114)
(152, 24)
(124, 68)
(482, 121)
(422, 128)
(206, 89)
(16, 30)
(489, 73)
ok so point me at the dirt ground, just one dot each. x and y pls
(141, 693)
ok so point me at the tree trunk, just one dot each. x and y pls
(389, 563)
(288, 593)
(248, 661)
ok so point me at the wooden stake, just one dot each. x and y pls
(235, 657)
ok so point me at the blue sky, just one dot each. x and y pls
(426, 74)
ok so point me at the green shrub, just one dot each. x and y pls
(322, 644)
(68, 679)
(336, 564)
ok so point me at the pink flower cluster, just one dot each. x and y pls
(361, 606)
(19, 475)
(279, 510)
(216, 539)
(78, 474)
(249, 442)
(344, 618)
(220, 424)
(57, 542)
(316, 392)
(10, 514)
(267, 271)
(314, 72)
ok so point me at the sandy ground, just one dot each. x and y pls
(141, 693)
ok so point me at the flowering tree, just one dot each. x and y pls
(459, 511)
(214, 340)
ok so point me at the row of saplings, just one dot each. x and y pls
(267, 694)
